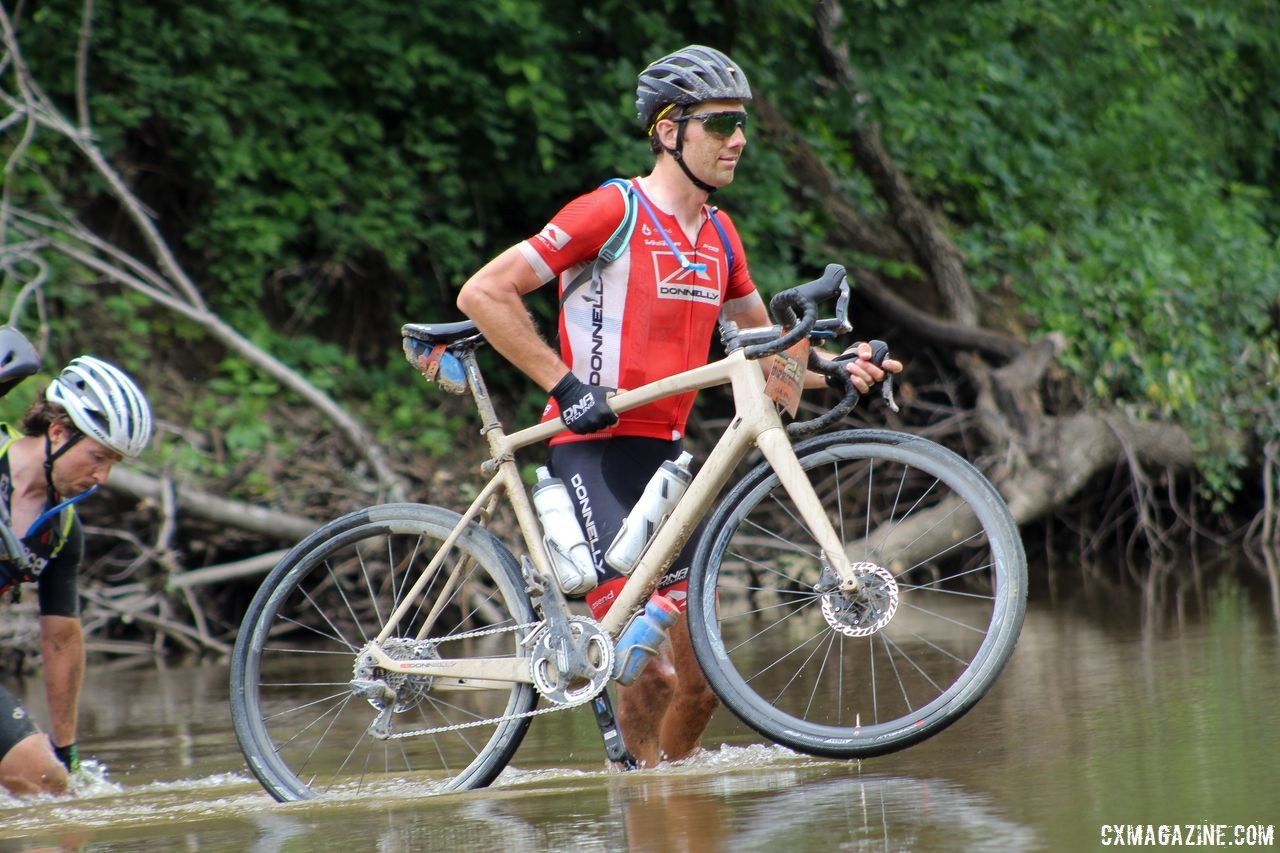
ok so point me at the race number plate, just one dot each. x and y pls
(786, 377)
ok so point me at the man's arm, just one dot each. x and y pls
(62, 648)
(493, 298)
(749, 311)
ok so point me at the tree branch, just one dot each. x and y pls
(170, 285)
(258, 565)
(934, 251)
(82, 66)
(938, 331)
(863, 234)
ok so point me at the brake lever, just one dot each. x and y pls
(879, 352)
(842, 310)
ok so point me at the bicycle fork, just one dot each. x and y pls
(776, 447)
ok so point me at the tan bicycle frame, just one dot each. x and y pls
(756, 422)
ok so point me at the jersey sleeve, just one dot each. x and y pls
(740, 283)
(57, 591)
(575, 234)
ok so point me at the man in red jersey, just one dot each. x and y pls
(648, 314)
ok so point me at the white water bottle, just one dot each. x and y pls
(660, 497)
(566, 545)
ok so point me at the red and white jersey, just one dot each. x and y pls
(649, 319)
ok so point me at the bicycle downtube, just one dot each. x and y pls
(755, 415)
(677, 529)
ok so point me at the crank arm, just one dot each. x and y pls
(571, 651)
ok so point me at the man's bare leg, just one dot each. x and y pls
(666, 709)
(642, 705)
(693, 702)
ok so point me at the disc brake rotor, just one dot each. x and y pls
(868, 609)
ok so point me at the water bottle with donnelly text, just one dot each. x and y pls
(661, 495)
(567, 547)
(639, 642)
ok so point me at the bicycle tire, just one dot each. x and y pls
(303, 730)
(959, 609)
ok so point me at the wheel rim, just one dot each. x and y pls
(310, 730)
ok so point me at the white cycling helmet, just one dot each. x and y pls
(104, 404)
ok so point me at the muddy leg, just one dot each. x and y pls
(642, 705)
(693, 702)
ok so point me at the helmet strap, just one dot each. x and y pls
(678, 154)
(50, 455)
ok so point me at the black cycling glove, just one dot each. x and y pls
(583, 407)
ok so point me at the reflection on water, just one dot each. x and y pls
(807, 811)
(1103, 716)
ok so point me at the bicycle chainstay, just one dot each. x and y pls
(534, 626)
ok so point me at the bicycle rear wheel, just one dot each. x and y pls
(940, 607)
(302, 727)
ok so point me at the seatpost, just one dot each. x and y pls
(490, 426)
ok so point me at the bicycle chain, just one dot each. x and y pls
(492, 720)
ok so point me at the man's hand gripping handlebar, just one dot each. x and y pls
(796, 311)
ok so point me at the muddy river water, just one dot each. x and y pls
(1117, 719)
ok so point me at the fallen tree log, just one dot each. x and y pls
(236, 570)
(209, 507)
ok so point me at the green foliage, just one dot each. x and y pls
(16, 402)
(330, 170)
(1114, 163)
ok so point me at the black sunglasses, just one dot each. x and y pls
(721, 124)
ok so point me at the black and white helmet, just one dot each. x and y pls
(689, 76)
(104, 404)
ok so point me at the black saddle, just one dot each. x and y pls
(440, 333)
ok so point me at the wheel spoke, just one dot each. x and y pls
(783, 657)
(977, 629)
(766, 629)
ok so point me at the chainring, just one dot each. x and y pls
(545, 662)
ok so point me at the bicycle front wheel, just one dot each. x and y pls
(941, 600)
(305, 698)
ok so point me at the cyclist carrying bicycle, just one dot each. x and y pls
(647, 314)
(90, 417)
